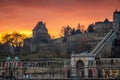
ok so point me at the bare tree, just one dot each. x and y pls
(66, 30)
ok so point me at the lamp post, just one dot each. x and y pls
(8, 66)
(11, 66)
(16, 59)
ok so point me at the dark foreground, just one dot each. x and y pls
(59, 79)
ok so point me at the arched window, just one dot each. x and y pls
(112, 62)
(80, 68)
(97, 60)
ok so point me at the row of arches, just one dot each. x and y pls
(45, 64)
(94, 71)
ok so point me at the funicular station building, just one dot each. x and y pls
(93, 65)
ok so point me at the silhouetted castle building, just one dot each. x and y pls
(115, 53)
(40, 32)
(104, 26)
(40, 35)
(116, 20)
(40, 42)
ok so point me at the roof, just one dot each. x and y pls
(40, 25)
(84, 54)
(106, 20)
(98, 22)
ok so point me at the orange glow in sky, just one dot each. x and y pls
(23, 15)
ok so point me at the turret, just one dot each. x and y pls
(40, 29)
(40, 32)
(116, 21)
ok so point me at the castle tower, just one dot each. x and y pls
(40, 31)
(116, 20)
(40, 35)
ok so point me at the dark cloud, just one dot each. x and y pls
(58, 5)
(11, 7)
(54, 3)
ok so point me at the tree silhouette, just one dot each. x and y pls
(66, 30)
(14, 39)
(79, 29)
(73, 32)
(90, 28)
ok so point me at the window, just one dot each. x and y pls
(112, 62)
(90, 73)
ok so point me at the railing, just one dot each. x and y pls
(63, 73)
(103, 42)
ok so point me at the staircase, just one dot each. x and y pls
(103, 48)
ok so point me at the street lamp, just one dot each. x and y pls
(16, 59)
(8, 68)
(8, 58)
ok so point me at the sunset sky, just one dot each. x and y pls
(23, 15)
